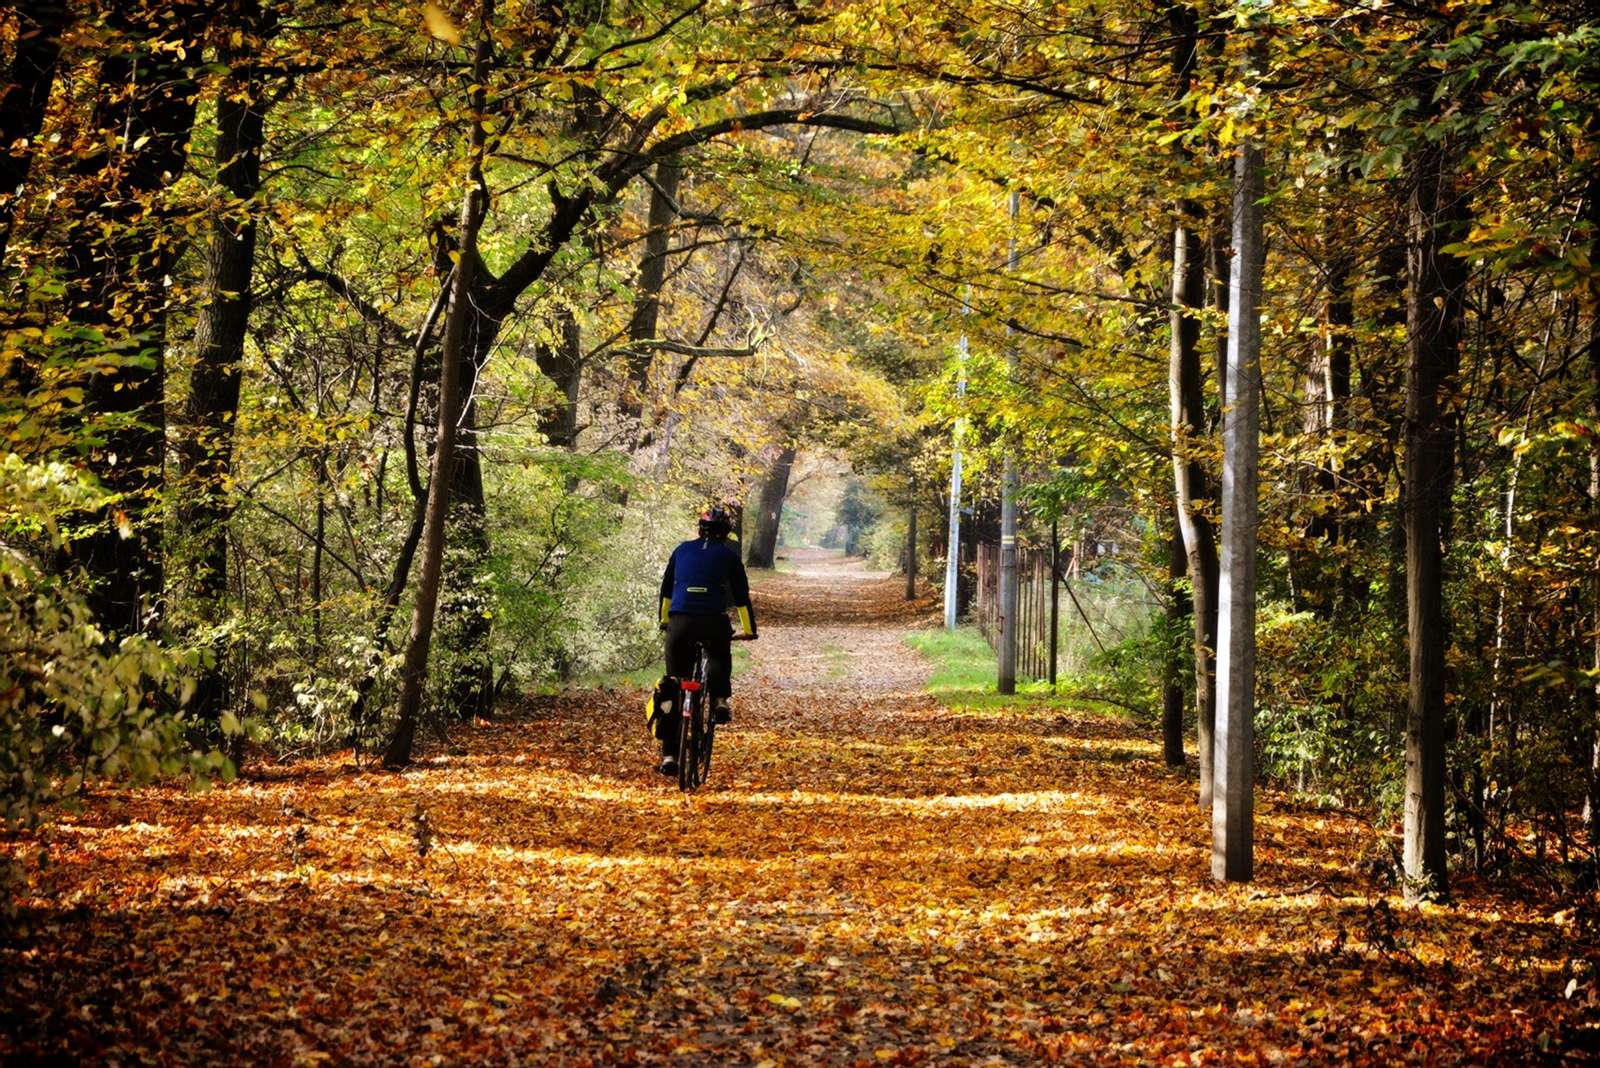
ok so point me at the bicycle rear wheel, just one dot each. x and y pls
(688, 740)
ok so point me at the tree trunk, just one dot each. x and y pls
(1325, 392)
(26, 96)
(319, 531)
(1433, 332)
(1341, 318)
(1593, 800)
(1195, 496)
(398, 752)
(1009, 592)
(645, 322)
(1186, 408)
(205, 451)
(1233, 810)
(764, 546)
(1220, 250)
(1179, 605)
(911, 552)
(119, 256)
(401, 570)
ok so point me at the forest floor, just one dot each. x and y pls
(871, 876)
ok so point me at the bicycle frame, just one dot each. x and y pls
(696, 731)
(697, 727)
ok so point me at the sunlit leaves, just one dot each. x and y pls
(439, 25)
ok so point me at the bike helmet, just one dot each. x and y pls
(715, 522)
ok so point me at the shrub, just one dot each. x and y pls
(73, 704)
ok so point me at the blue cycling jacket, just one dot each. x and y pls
(705, 578)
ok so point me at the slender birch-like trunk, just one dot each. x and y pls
(1186, 399)
(398, 752)
(1233, 806)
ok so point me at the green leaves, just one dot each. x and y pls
(73, 705)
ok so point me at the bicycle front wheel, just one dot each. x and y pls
(703, 750)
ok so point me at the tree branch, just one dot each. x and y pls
(344, 289)
(633, 160)
(694, 352)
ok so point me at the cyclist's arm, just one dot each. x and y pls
(666, 587)
(739, 588)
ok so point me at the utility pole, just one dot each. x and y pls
(1008, 515)
(952, 560)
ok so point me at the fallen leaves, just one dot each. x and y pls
(842, 891)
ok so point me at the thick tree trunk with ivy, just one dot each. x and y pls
(119, 258)
(774, 488)
(1433, 329)
(26, 95)
(466, 600)
(205, 450)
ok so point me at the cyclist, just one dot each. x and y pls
(704, 578)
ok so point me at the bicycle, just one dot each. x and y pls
(697, 731)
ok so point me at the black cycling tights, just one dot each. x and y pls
(716, 634)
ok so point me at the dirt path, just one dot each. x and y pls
(870, 878)
(831, 620)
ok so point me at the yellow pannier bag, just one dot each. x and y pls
(659, 703)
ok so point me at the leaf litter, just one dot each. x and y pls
(870, 877)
